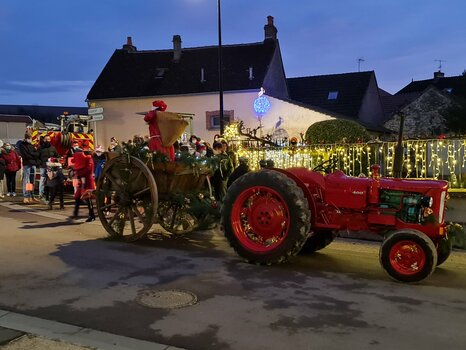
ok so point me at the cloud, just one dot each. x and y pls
(47, 85)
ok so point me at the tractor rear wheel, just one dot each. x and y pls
(408, 256)
(316, 241)
(444, 249)
(265, 217)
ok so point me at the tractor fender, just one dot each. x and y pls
(312, 179)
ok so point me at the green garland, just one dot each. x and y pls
(198, 164)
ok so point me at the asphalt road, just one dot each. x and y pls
(70, 272)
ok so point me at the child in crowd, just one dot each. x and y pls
(55, 182)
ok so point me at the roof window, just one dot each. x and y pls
(332, 95)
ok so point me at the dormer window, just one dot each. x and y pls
(160, 72)
(251, 74)
(332, 95)
(203, 76)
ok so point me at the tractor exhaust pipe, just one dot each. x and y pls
(398, 159)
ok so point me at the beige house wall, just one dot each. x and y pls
(121, 120)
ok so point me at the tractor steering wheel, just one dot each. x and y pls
(328, 166)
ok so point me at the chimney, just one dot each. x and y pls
(176, 48)
(270, 30)
(129, 45)
(439, 74)
(251, 75)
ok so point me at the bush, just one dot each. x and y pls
(336, 131)
(457, 234)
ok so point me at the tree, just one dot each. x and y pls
(336, 131)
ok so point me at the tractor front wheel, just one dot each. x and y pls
(408, 256)
(265, 217)
(444, 248)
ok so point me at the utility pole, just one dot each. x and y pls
(220, 70)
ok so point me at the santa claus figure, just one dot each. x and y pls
(155, 141)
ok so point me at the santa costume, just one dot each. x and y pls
(155, 141)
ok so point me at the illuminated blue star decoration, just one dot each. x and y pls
(261, 104)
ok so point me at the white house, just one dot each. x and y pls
(187, 80)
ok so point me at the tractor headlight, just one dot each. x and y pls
(427, 202)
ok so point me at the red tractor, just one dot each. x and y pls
(271, 215)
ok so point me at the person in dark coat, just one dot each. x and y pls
(2, 170)
(12, 165)
(224, 169)
(239, 171)
(30, 158)
(55, 182)
(99, 157)
(46, 151)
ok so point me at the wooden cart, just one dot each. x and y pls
(132, 195)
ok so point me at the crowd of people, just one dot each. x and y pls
(43, 160)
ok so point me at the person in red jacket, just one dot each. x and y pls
(12, 165)
(84, 175)
(155, 141)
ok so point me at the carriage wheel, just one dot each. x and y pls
(126, 198)
(175, 218)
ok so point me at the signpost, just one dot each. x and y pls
(96, 117)
(95, 111)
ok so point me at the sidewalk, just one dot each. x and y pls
(21, 332)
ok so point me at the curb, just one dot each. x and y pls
(72, 334)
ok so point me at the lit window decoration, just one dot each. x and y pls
(261, 104)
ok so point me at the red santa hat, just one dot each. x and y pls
(159, 105)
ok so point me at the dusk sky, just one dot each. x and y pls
(53, 50)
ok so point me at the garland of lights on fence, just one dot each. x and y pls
(437, 159)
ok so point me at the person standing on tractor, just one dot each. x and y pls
(30, 158)
(46, 151)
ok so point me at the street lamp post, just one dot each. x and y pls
(220, 70)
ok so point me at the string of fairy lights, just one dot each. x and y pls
(437, 159)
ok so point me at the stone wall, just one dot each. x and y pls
(423, 116)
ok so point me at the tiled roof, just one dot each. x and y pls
(314, 91)
(10, 118)
(457, 85)
(134, 73)
(393, 103)
(45, 114)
